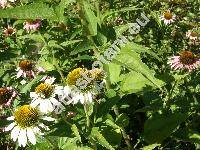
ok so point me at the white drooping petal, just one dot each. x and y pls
(43, 126)
(31, 136)
(50, 106)
(12, 0)
(81, 98)
(50, 80)
(67, 90)
(8, 128)
(48, 118)
(20, 73)
(33, 95)
(89, 97)
(35, 103)
(15, 133)
(43, 106)
(75, 98)
(11, 118)
(37, 130)
(22, 138)
(59, 90)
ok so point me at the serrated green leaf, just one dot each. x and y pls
(114, 72)
(81, 47)
(141, 49)
(132, 61)
(91, 20)
(76, 132)
(99, 138)
(29, 12)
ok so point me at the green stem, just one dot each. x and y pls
(125, 136)
(55, 63)
(87, 116)
(170, 94)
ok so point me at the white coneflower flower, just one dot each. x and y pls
(7, 95)
(186, 60)
(45, 96)
(27, 69)
(27, 124)
(192, 35)
(168, 17)
(81, 85)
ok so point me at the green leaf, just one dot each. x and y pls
(112, 99)
(112, 124)
(81, 47)
(113, 136)
(60, 9)
(31, 11)
(67, 43)
(30, 84)
(53, 44)
(132, 61)
(47, 64)
(99, 138)
(90, 19)
(114, 72)
(122, 120)
(150, 147)
(189, 135)
(134, 82)
(76, 132)
(159, 127)
(141, 49)
(34, 37)
(66, 143)
(111, 12)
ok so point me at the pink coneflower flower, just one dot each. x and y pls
(9, 31)
(168, 17)
(7, 95)
(27, 69)
(32, 24)
(192, 35)
(186, 60)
